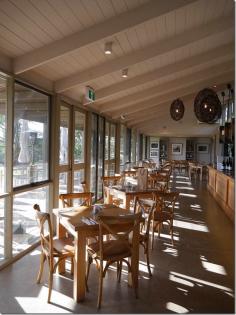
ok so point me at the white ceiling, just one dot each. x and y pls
(171, 48)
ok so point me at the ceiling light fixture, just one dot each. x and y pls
(122, 117)
(108, 48)
(125, 73)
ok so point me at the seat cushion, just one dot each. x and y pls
(111, 249)
(63, 246)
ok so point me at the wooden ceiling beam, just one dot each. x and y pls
(130, 103)
(97, 32)
(81, 78)
(215, 53)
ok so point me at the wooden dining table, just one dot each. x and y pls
(81, 223)
(126, 193)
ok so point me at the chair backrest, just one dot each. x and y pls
(165, 201)
(119, 227)
(111, 180)
(146, 207)
(129, 173)
(67, 199)
(45, 230)
(160, 181)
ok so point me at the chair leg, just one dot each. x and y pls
(100, 286)
(171, 232)
(50, 280)
(146, 251)
(120, 270)
(72, 266)
(42, 260)
(152, 234)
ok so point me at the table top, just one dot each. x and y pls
(130, 189)
(82, 217)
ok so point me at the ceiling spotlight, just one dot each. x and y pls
(122, 117)
(125, 73)
(108, 48)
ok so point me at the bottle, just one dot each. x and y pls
(223, 164)
(227, 165)
(230, 164)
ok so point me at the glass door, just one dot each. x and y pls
(97, 155)
(72, 149)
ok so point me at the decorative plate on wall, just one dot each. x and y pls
(177, 109)
(207, 106)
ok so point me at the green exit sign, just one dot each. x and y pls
(90, 94)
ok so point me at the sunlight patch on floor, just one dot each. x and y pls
(180, 280)
(171, 251)
(185, 188)
(39, 303)
(188, 195)
(213, 267)
(190, 226)
(176, 308)
(200, 281)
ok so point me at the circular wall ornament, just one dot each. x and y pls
(207, 106)
(177, 109)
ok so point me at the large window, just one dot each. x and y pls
(25, 228)
(72, 149)
(110, 142)
(31, 136)
(97, 155)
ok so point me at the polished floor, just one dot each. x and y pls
(196, 275)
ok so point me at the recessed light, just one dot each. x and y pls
(125, 73)
(108, 48)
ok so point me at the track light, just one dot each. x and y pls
(125, 73)
(108, 48)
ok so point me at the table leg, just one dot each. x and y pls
(127, 202)
(134, 260)
(80, 268)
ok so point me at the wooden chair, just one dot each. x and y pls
(164, 212)
(67, 199)
(51, 248)
(114, 250)
(129, 173)
(111, 180)
(159, 181)
(146, 207)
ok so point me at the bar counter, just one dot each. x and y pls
(221, 186)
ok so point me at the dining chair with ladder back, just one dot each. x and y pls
(111, 181)
(164, 212)
(115, 250)
(68, 199)
(51, 249)
(146, 207)
(159, 181)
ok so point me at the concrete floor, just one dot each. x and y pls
(196, 275)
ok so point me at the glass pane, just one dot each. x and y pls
(112, 141)
(25, 228)
(93, 154)
(107, 141)
(79, 137)
(133, 145)
(78, 178)
(2, 221)
(64, 134)
(3, 106)
(100, 156)
(63, 183)
(31, 136)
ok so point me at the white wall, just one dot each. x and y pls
(204, 157)
(181, 156)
